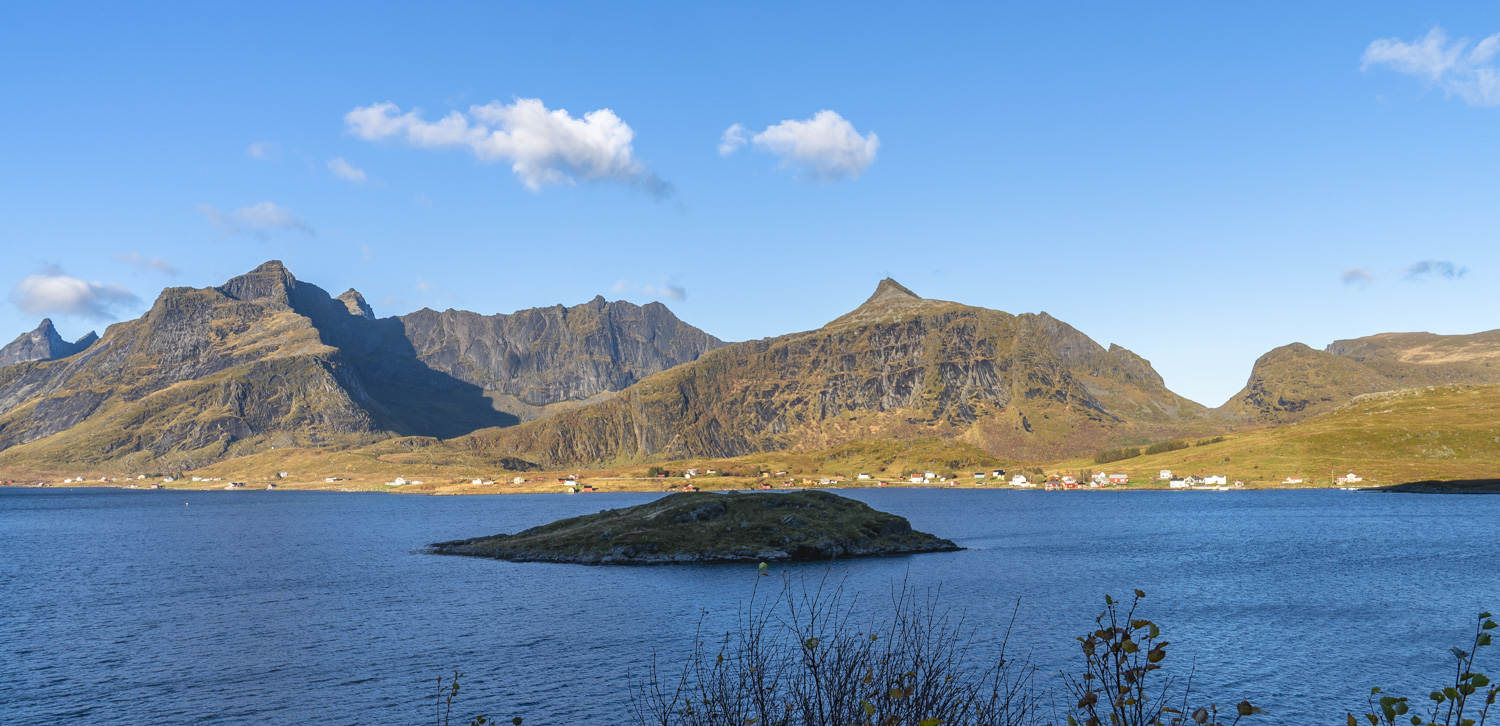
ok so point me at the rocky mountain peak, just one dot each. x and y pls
(889, 289)
(891, 301)
(356, 304)
(271, 280)
(43, 343)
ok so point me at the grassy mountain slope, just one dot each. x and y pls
(1295, 382)
(1443, 432)
(266, 360)
(898, 367)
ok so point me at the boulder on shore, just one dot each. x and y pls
(701, 527)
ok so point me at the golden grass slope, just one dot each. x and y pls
(1443, 432)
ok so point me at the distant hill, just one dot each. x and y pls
(267, 360)
(1414, 434)
(1294, 382)
(899, 366)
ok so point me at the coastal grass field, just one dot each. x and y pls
(1450, 432)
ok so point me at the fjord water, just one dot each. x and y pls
(121, 606)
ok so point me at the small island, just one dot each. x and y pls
(701, 527)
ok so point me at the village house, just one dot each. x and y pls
(1350, 478)
(1069, 480)
(998, 474)
(930, 475)
(1215, 480)
(1165, 474)
(1177, 483)
(518, 480)
(399, 482)
(689, 488)
(1293, 480)
(916, 480)
(689, 473)
(711, 472)
(863, 477)
(978, 475)
(1119, 479)
(1193, 481)
(1019, 480)
(588, 487)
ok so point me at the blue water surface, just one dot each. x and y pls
(253, 607)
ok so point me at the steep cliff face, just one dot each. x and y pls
(44, 343)
(550, 355)
(266, 360)
(1295, 382)
(1026, 386)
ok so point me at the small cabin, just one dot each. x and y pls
(1177, 483)
(1119, 479)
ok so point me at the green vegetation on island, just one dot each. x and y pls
(702, 527)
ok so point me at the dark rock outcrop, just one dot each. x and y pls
(692, 528)
(44, 343)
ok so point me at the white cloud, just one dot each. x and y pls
(826, 145)
(346, 171)
(1469, 74)
(545, 147)
(54, 293)
(141, 262)
(263, 150)
(260, 220)
(669, 291)
(1427, 269)
(732, 139)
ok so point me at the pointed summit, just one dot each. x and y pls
(889, 289)
(891, 301)
(356, 304)
(270, 280)
(44, 343)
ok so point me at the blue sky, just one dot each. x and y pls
(1196, 182)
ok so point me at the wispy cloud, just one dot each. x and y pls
(827, 146)
(1470, 74)
(669, 291)
(1430, 269)
(1357, 276)
(148, 264)
(52, 292)
(731, 140)
(263, 150)
(545, 147)
(261, 220)
(346, 171)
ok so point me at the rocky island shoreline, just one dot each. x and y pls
(701, 528)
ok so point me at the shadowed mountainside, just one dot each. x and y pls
(266, 360)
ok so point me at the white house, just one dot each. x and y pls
(998, 473)
(929, 475)
(1293, 480)
(916, 480)
(1177, 483)
(399, 482)
(1099, 477)
(1215, 480)
(1350, 478)
(863, 476)
(1165, 474)
(1019, 481)
(1069, 480)
(518, 480)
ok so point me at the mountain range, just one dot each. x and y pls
(266, 360)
